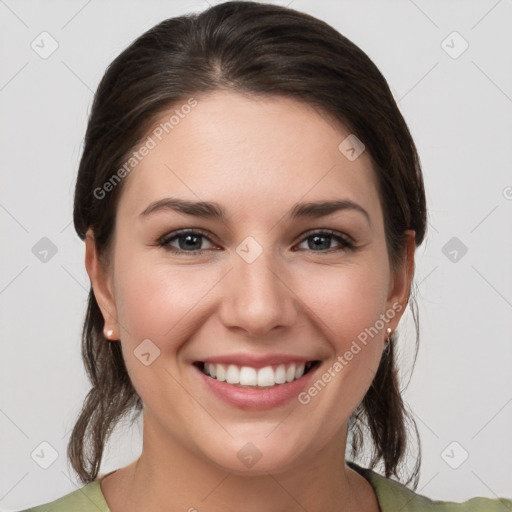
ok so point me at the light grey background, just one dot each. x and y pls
(459, 112)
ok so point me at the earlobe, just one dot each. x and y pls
(101, 285)
(401, 279)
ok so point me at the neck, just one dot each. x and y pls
(171, 477)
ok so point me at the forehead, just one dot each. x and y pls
(253, 153)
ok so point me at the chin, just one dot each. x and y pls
(259, 457)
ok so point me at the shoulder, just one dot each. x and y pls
(393, 496)
(87, 499)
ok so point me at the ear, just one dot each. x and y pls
(400, 281)
(101, 282)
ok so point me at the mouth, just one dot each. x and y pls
(256, 378)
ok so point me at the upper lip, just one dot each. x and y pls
(256, 361)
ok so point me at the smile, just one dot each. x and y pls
(245, 376)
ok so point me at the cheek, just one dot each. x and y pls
(165, 305)
(349, 304)
(154, 301)
(347, 300)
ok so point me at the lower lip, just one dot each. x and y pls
(249, 398)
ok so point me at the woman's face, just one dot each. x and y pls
(264, 286)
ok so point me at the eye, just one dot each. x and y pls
(321, 239)
(189, 241)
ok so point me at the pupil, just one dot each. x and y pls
(316, 238)
(188, 238)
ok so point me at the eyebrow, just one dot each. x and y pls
(211, 210)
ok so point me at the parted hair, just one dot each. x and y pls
(264, 50)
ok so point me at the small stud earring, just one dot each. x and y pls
(110, 332)
(389, 331)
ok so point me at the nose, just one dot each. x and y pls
(258, 299)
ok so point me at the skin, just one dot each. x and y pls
(256, 157)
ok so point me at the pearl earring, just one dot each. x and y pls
(389, 331)
(110, 332)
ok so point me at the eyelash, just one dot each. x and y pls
(164, 242)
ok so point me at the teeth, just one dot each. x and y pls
(266, 376)
(263, 377)
(218, 372)
(233, 375)
(290, 373)
(248, 376)
(299, 372)
(280, 374)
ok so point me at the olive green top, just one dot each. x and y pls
(391, 495)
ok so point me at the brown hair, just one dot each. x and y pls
(251, 48)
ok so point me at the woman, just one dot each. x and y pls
(250, 198)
